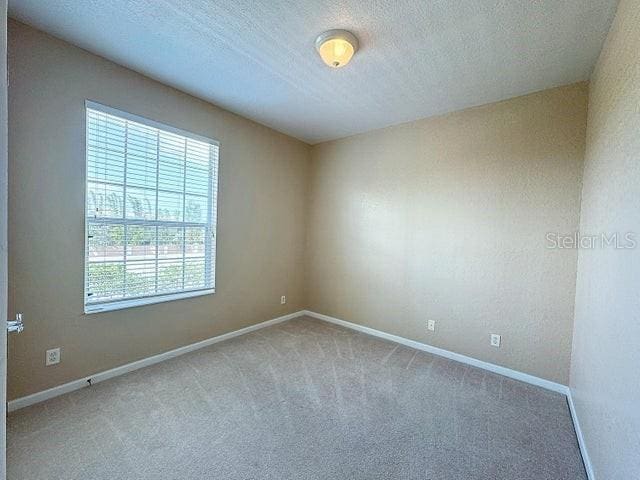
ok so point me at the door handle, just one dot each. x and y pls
(15, 325)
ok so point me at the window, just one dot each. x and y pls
(151, 204)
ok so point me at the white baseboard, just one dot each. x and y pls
(581, 443)
(145, 362)
(507, 372)
(129, 367)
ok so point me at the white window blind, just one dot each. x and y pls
(151, 200)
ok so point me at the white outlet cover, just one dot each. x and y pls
(495, 340)
(53, 356)
(283, 300)
(431, 325)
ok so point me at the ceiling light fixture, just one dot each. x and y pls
(336, 47)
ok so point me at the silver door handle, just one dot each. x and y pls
(15, 325)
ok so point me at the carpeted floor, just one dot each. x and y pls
(300, 400)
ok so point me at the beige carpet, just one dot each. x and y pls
(300, 400)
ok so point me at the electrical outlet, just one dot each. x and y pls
(431, 325)
(495, 340)
(53, 356)
(283, 300)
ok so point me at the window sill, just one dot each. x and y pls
(138, 302)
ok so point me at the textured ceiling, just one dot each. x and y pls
(417, 58)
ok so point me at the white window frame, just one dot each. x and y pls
(110, 305)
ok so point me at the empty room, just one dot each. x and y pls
(265, 239)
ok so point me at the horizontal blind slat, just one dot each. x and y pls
(168, 184)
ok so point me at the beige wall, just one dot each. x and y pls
(261, 222)
(605, 366)
(445, 219)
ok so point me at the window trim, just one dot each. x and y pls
(111, 305)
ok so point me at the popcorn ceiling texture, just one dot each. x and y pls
(445, 219)
(605, 377)
(418, 58)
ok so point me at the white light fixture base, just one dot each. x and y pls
(337, 47)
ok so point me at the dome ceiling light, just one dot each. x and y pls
(336, 47)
